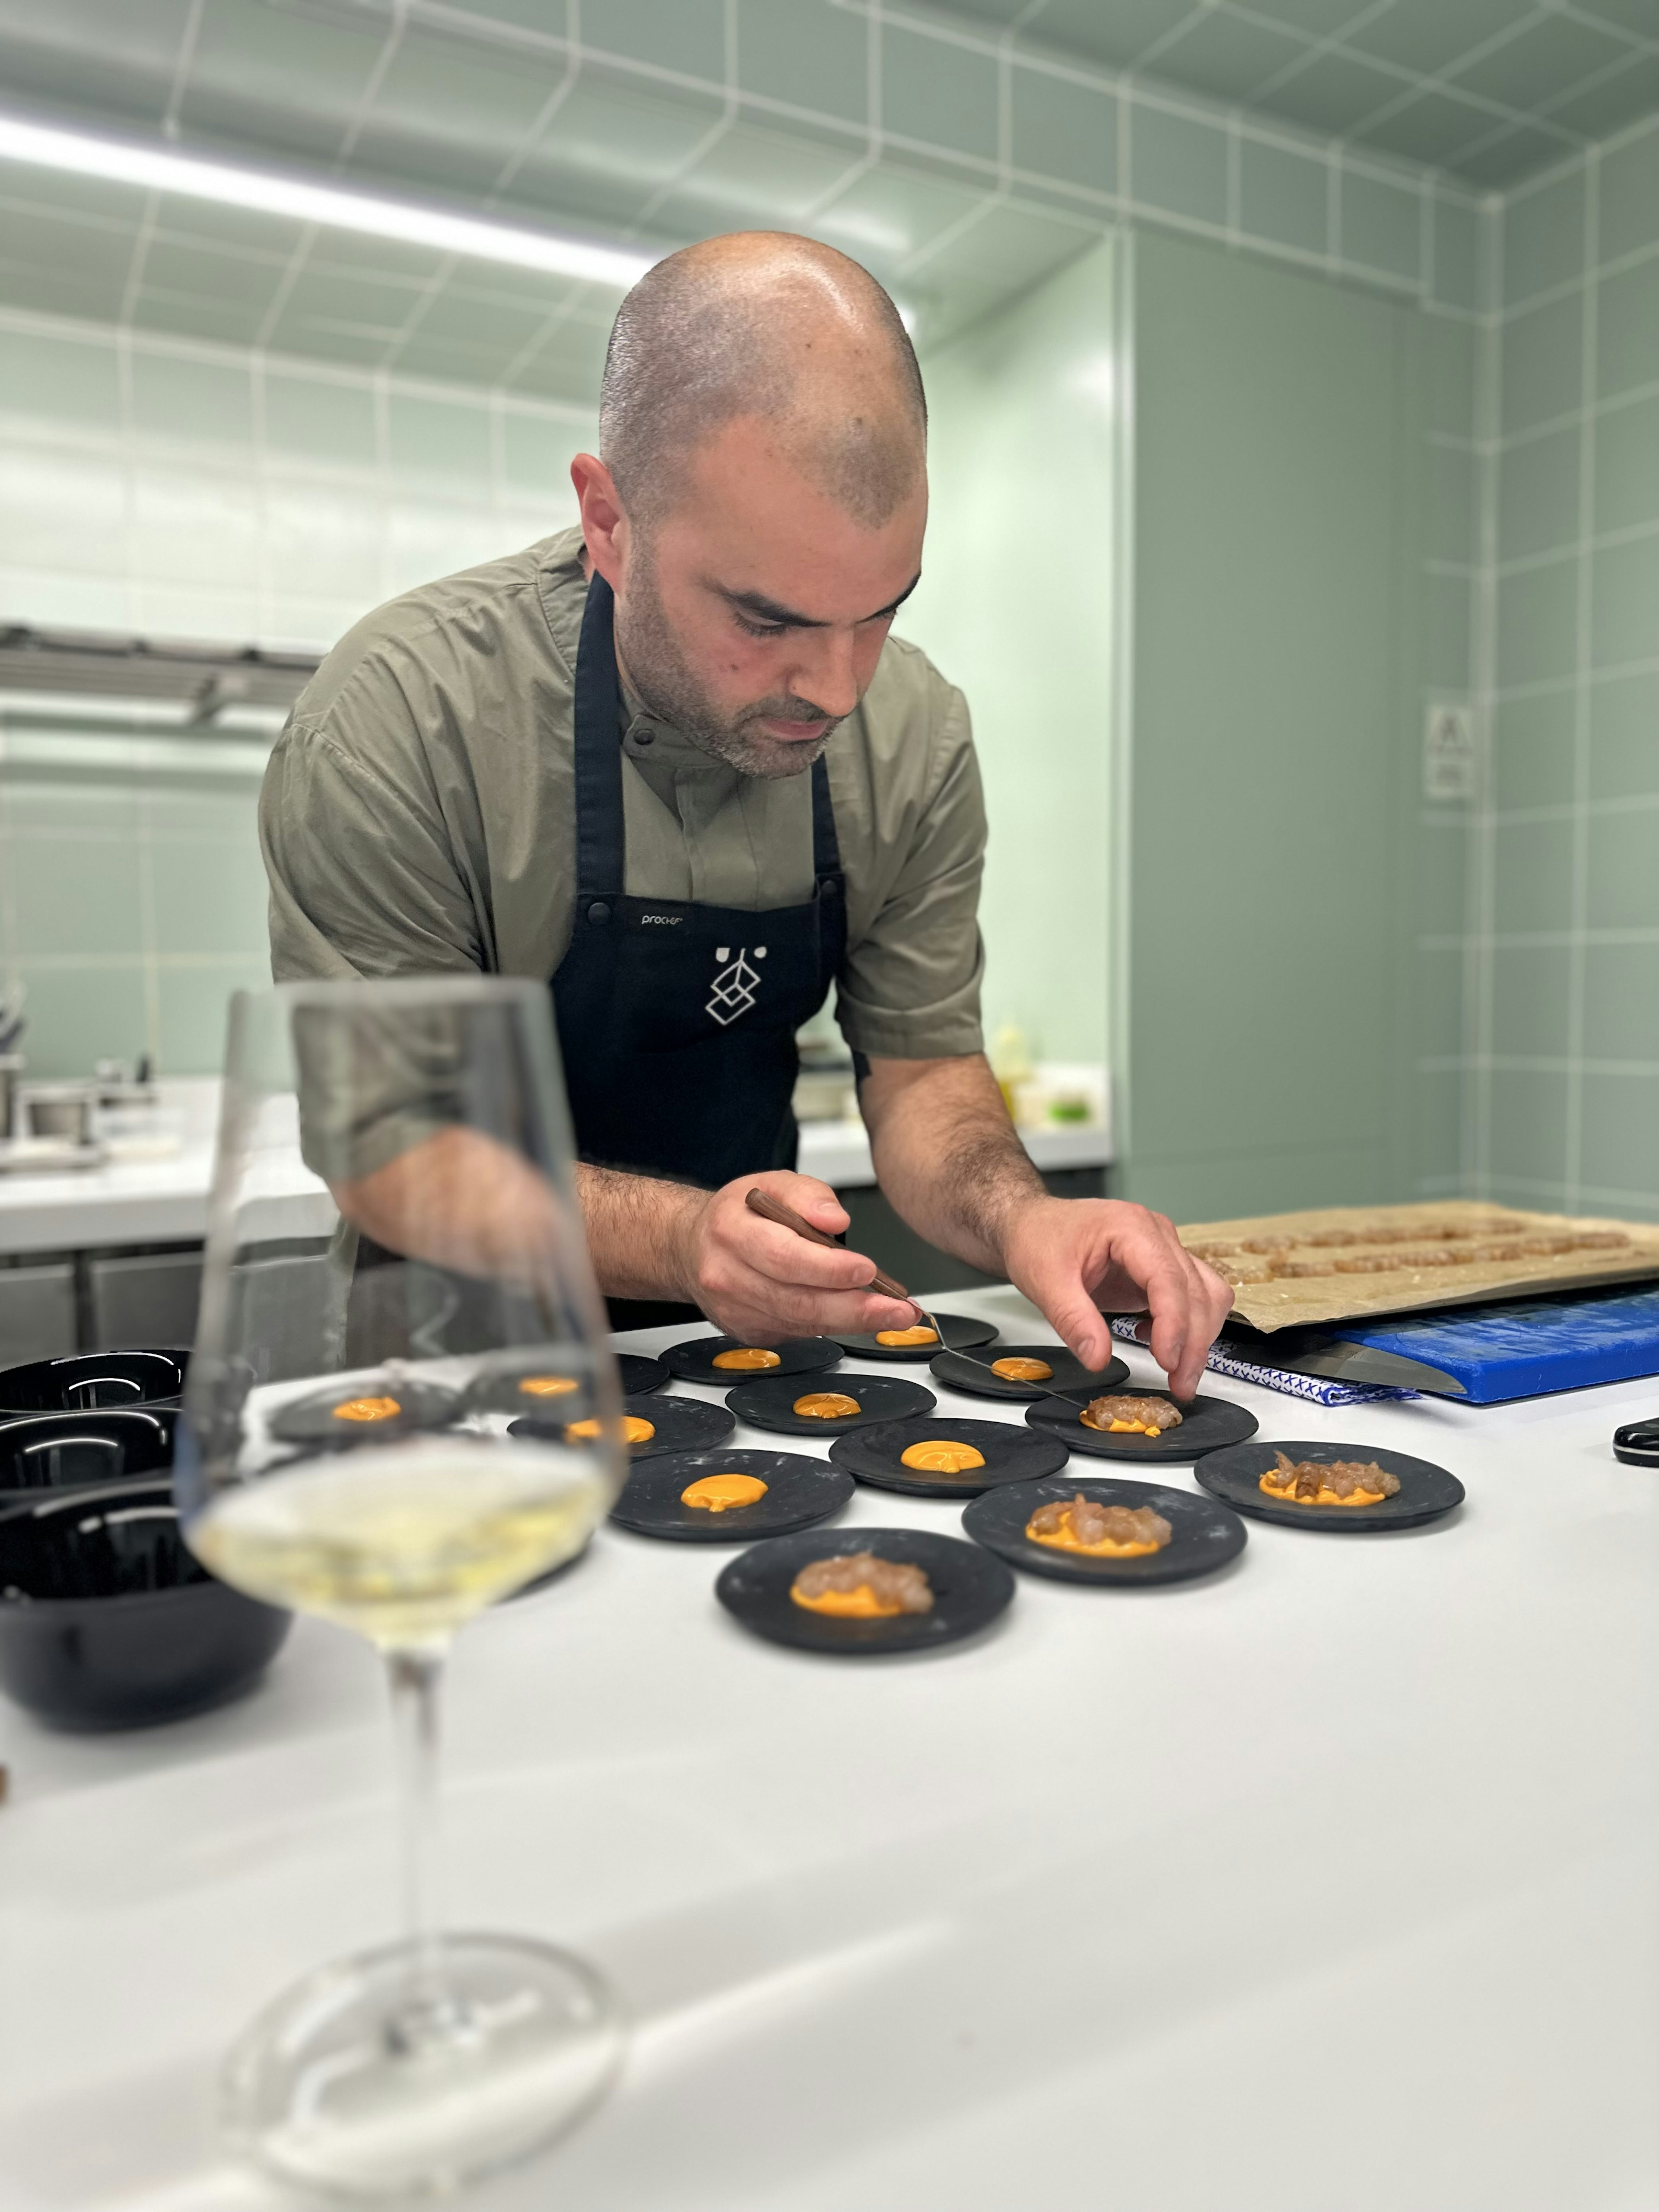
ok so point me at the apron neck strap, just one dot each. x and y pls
(826, 850)
(598, 749)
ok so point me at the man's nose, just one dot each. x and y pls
(828, 674)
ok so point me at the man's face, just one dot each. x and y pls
(752, 615)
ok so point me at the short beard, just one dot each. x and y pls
(669, 690)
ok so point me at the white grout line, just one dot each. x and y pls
(1582, 657)
(1481, 886)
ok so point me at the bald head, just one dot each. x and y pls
(783, 331)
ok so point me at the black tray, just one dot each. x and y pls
(970, 1589)
(693, 1360)
(1013, 1453)
(681, 1424)
(1204, 1536)
(799, 1491)
(1426, 1493)
(768, 1402)
(971, 1372)
(1207, 1424)
(960, 1333)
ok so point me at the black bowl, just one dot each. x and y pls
(88, 1381)
(108, 1620)
(42, 1452)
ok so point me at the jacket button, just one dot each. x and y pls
(599, 911)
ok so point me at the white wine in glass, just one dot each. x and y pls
(395, 1270)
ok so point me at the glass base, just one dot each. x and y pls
(347, 2084)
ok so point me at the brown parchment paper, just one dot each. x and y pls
(1333, 1297)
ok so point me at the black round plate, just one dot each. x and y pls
(693, 1361)
(769, 1403)
(1637, 1443)
(1013, 1453)
(681, 1424)
(312, 1420)
(960, 1331)
(799, 1491)
(1206, 1424)
(971, 1372)
(1425, 1491)
(1203, 1536)
(640, 1374)
(970, 1589)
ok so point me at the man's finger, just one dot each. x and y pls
(783, 1257)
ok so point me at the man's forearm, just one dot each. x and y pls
(639, 1232)
(946, 1154)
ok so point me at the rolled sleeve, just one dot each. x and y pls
(362, 871)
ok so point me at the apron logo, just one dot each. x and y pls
(735, 984)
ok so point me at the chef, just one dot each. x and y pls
(673, 761)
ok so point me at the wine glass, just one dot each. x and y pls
(403, 1407)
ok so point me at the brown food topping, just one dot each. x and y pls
(1304, 1479)
(1093, 1523)
(1143, 1413)
(895, 1584)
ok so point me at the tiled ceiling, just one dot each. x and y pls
(961, 153)
(1488, 89)
(620, 119)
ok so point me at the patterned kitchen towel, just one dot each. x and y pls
(1318, 1389)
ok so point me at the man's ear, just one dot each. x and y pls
(605, 523)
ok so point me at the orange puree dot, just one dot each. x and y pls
(749, 1356)
(825, 1406)
(549, 1386)
(634, 1431)
(367, 1409)
(860, 1604)
(916, 1336)
(941, 1455)
(718, 1493)
(1023, 1370)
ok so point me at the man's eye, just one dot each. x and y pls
(759, 629)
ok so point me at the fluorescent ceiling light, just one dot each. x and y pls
(156, 168)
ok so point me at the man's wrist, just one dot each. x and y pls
(1019, 1209)
(683, 1237)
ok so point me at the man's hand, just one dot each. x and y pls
(950, 1160)
(1072, 1256)
(665, 1240)
(763, 1283)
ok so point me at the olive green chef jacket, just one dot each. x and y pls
(418, 813)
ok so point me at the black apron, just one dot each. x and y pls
(677, 1021)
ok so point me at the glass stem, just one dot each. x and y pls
(416, 1676)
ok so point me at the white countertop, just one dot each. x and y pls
(1327, 1885)
(165, 1201)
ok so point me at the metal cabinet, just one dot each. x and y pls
(37, 1311)
(142, 1297)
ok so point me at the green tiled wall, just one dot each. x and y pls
(132, 899)
(1289, 1030)
(1024, 414)
(1563, 1058)
(162, 489)
(199, 491)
